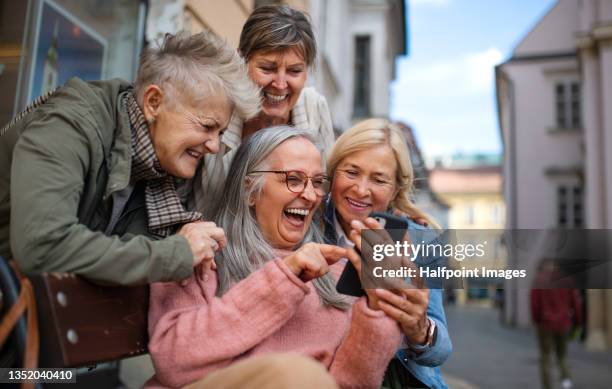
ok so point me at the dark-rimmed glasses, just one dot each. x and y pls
(297, 181)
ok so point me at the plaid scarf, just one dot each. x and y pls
(164, 208)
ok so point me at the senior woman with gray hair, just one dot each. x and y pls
(274, 286)
(87, 172)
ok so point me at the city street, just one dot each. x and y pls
(487, 355)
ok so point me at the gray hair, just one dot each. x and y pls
(193, 66)
(277, 28)
(247, 248)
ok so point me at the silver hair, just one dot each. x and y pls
(190, 67)
(247, 248)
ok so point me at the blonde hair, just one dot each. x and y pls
(380, 132)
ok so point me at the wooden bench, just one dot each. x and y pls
(84, 324)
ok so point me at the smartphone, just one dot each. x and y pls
(394, 225)
(349, 282)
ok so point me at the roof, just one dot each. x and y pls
(486, 179)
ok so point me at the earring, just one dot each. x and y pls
(151, 120)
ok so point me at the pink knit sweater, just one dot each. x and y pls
(193, 333)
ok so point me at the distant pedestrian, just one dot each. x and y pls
(555, 312)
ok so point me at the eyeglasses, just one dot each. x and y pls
(297, 181)
(375, 183)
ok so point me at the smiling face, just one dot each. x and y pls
(364, 182)
(284, 216)
(281, 75)
(183, 132)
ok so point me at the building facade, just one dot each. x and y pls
(359, 41)
(552, 96)
(45, 42)
(475, 200)
(424, 197)
(224, 18)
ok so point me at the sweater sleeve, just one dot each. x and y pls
(193, 332)
(363, 355)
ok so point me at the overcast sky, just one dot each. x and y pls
(445, 86)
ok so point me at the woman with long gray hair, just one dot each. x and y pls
(273, 288)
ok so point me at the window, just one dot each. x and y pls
(496, 214)
(361, 101)
(89, 39)
(569, 206)
(567, 104)
(470, 214)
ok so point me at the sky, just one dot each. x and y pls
(445, 87)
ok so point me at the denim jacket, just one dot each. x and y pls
(424, 364)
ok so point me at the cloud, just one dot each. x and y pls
(471, 73)
(449, 102)
(434, 3)
(480, 68)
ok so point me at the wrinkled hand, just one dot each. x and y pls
(312, 260)
(404, 303)
(378, 236)
(409, 308)
(204, 239)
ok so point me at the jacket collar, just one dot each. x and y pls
(119, 157)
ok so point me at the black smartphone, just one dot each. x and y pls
(349, 282)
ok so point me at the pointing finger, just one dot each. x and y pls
(332, 253)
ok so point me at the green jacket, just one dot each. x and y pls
(59, 168)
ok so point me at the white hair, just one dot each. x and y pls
(191, 67)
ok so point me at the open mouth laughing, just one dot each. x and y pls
(296, 216)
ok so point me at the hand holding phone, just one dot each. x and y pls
(395, 227)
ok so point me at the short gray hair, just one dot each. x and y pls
(277, 28)
(192, 66)
(247, 248)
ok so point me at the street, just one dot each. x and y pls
(487, 355)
